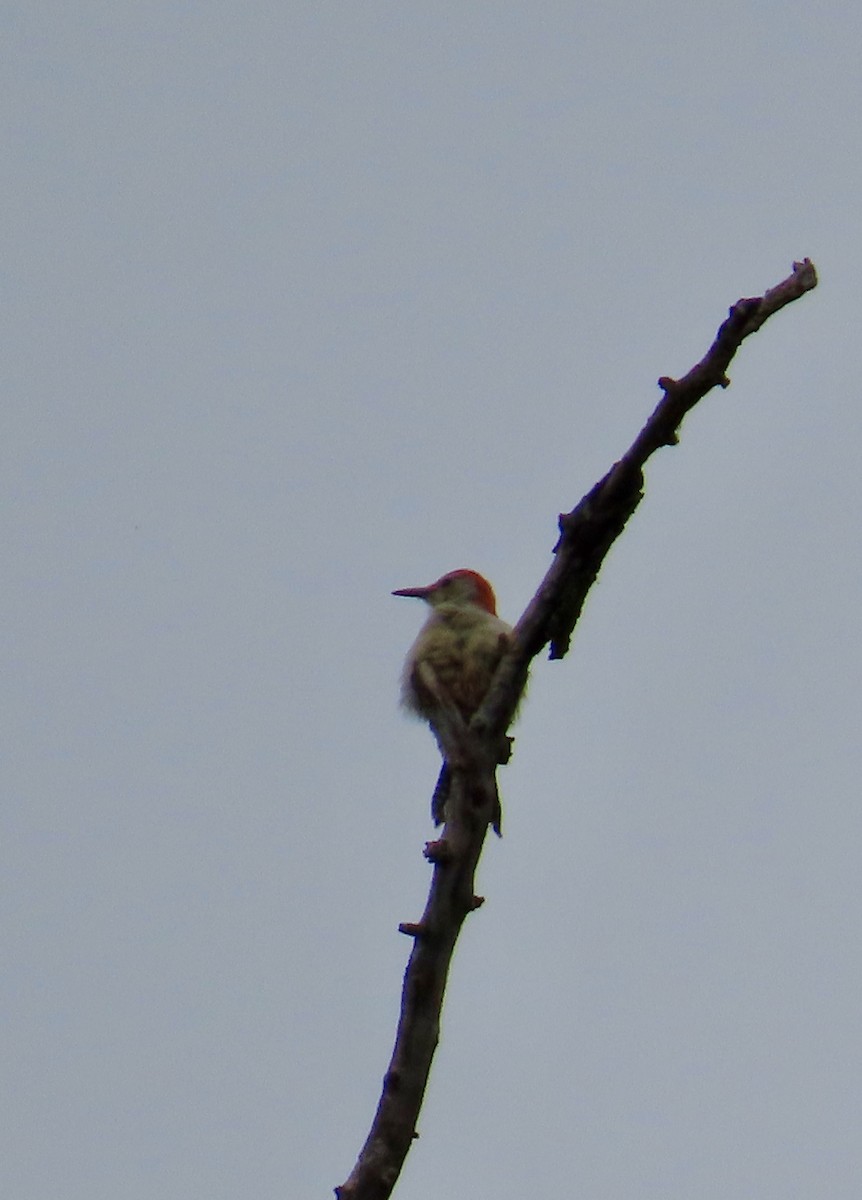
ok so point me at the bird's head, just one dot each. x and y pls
(461, 588)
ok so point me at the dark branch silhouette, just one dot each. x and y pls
(472, 751)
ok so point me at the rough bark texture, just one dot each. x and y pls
(471, 752)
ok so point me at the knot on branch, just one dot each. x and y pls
(438, 851)
(742, 319)
(414, 929)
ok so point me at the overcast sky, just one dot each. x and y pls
(309, 301)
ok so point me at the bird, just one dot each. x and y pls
(454, 658)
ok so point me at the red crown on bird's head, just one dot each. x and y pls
(463, 580)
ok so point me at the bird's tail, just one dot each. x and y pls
(441, 795)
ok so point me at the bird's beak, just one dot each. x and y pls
(420, 593)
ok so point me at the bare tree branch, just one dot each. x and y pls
(471, 751)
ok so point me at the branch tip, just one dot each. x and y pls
(412, 929)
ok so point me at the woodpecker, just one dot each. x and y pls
(462, 642)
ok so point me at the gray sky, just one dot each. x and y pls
(309, 301)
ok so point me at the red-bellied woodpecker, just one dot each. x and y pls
(456, 654)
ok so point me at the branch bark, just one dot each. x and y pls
(471, 751)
